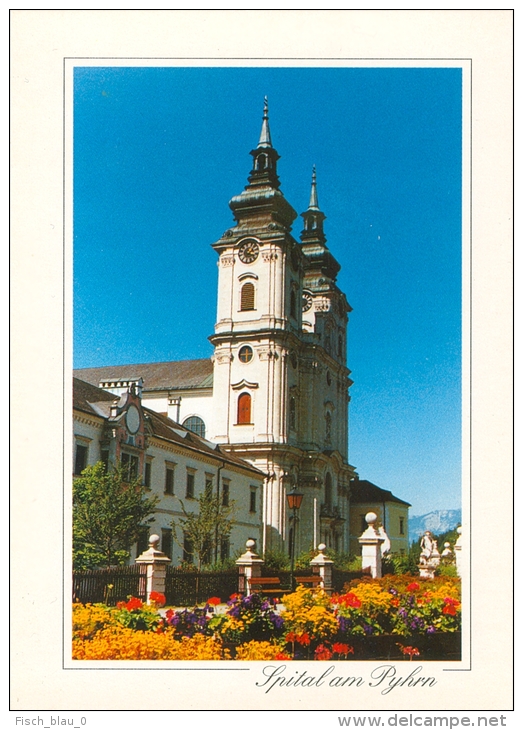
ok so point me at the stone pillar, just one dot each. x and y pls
(322, 566)
(249, 566)
(371, 542)
(457, 552)
(156, 566)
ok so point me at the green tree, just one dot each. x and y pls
(202, 532)
(108, 513)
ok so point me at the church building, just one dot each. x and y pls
(276, 391)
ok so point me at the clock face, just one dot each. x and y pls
(306, 301)
(132, 419)
(248, 252)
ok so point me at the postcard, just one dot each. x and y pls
(339, 363)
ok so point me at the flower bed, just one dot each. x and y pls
(391, 618)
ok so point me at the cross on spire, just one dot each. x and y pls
(265, 135)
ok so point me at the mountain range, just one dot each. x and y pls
(438, 522)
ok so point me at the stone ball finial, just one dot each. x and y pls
(250, 544)
(458, 530)
(154, 540)
(370, 518)
(322, 547)
(447, 544)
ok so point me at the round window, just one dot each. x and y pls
(245, 354)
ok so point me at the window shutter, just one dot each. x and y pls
(244, 408)
(247, 297)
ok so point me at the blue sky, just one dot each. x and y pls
(158, 154)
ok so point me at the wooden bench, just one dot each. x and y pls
(266, 586)
(309, 580)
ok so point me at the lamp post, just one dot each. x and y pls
(294, 500)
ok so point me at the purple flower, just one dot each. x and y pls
(431, 630)
(367, 629)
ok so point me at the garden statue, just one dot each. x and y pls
(429, 549)
(430, 557)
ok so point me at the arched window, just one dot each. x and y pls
(244, 408)
(328, 489)
(293, 303)
(292, 413)
(247, 297)
(328, 427)
(196, 425)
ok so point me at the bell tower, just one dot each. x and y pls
(259, 313)
(280, 383)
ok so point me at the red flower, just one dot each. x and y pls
(158, 598)
(394, 601)
(322, 653)
(342, 649)
(121, 604)
(291, 638)
(214, 601)
(169, 613)
(409, 651)
(413, 587)
(350, 600)
(303, 639)
(450, 607)
(133, 603)
(234, 596)
(282, 656)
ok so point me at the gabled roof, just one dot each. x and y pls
(362, 491)
(178, 374)
(90, 399)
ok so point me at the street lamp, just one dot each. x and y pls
(294, 500)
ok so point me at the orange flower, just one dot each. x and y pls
(413, 587)
(214, 601)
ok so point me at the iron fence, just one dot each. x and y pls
(110, 585)
(188, 588)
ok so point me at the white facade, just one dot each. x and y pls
(276, 394)
(175, 464)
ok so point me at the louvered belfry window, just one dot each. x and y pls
(244, 408)
(247, 297)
